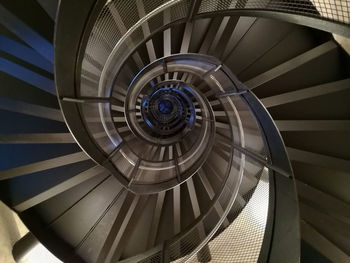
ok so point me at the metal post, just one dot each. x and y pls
(23, 246)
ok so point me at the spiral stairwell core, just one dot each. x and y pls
(167, 143)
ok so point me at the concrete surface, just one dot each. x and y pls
(11, 230)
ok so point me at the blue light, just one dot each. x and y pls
(165, 106)
(26, 34)
(27, 76)
(25, 53)
(149, 123)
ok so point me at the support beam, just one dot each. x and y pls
(222, 125)
(120, 221)
(226, 35)
(161, 153)
(318, 159)
(116, 119)
(178, 151)
(211, 193)
(87, 100)
(324, 202)
(117, 19)
(119, 234)
(204, 253)
(118, 96)
(193, 197)
(313, 125)
(28, 76)
(31, 109)
(307, 93)
(50, 7)
(177, 209)
(322, 244)
(117, 108)
(129, 228)
(230, 93)
(167, 34)
(146, 31)
(156, 219)
(36, 138)
(153, 151)
(134, 172)
(193, 10)
(291, 65)
(122, 29)
(186, 39)
(24, 53)
(210, 35)
(240, 200)
(218, 35)
(261, 159)
(25, 33)
(43, 165)
(170, 152)
(119, 197)
(308, 21)
(60, 188)
(331, 228)
(242, 27)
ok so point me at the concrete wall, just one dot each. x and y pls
(11, 230)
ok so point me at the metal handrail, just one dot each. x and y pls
(139, 24)
(199, 220)
(316, 21)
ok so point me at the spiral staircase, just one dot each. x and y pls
(185, 131)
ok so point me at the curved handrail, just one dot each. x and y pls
(317, 22)
(101, 92)
(129, 33)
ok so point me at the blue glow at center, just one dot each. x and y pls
(165, 106)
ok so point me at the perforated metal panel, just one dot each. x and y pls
(242, 240)
(337, 10)
(152, 259)
(120, 27)
(113, 22)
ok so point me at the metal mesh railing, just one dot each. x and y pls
(248, 228)
(110, 36)
(156, 258)
(117, 29)
(119, 20)
(335, 10)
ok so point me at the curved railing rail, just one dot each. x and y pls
(113, 63)
(333, 18)
(337, 11)
(123, 39)
(330, 16)
(124, 46)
